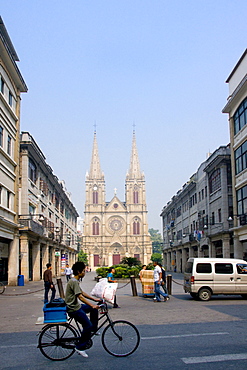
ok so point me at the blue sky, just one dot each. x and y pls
(159, 64)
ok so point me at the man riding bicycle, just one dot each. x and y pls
(79, 311)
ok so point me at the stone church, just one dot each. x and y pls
(115, 229)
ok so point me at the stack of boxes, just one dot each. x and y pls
(148, 282)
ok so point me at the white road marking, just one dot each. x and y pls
(19, 346)
(183, 335)
(218, 358)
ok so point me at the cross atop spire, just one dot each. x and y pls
(134, 126)
(95, 127)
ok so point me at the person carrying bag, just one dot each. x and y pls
(110, 278)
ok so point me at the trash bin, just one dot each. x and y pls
(20, 280)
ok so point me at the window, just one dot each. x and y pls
(56, 200)
(242, 200)
(95, 227)
(223, 268)
(95, 197)
(136, 227)
(215, 181)
(189, 267)
(2, 85)
(213, 218)
(241, 158)
(9, 145)
(135, 197)
(219, 215)
(8, 199)
(240, 117)
(179, 211)
(31, 209)
(242, 269)
(204, 268)
(32, 171)
(1, 136)
(10, 99)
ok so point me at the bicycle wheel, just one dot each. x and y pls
(57, 341)
(121, 338)
(2, 288)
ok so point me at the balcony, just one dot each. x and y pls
(31, 225)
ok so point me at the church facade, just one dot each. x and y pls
(115, 229)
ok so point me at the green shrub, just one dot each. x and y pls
(102, 271)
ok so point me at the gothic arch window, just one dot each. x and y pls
(95, 197)
(95, 226)
(136, 227)
(135, 195)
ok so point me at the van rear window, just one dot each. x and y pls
(204, 268)
(188, 267)
(223, 268)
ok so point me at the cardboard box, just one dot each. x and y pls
(54, 314)
(148, 282)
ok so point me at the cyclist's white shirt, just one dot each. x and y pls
(157, 271)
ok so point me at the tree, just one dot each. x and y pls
(82, 257)
(130, 261)
(156, 257)
(156, 240)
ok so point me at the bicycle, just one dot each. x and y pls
(120, 338)
(2, 288)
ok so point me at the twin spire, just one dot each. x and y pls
(95, 170)
(134, 169)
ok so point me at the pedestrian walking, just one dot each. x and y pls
(68, 272)
(110, 278)
(163, 281)
(48, 283)
(157, 284)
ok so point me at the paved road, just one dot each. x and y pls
(179, 334)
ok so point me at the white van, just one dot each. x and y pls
(206, 276)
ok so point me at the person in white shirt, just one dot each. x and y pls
(157, 283)
(68, 272)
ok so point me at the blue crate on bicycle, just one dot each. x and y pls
(55, 311)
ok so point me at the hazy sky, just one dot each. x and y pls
(159, 64)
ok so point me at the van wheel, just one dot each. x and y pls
(204, 294)
(244, 296)
(194, 295)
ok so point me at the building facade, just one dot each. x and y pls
(11, 87)
(236, 108)
(196, 220)
(115, 229)
(47, 217)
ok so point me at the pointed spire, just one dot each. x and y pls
(95, 170)
(134, 170)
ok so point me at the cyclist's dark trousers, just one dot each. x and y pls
(47, 288)
(88, 325)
